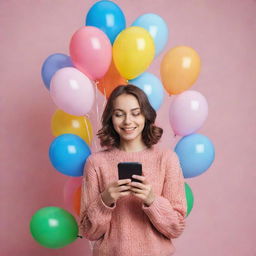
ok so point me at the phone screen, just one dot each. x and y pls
(127, 169)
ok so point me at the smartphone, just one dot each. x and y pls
(127, 169)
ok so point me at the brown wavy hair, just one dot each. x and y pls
(151, 134)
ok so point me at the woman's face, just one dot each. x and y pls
(127, 118)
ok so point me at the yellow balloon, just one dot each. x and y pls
(133, 51)
(179, 69)
(63, 122)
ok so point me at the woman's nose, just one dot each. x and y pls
(127, 119)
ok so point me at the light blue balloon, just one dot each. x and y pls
(196, 154)
(108, 17)
(157, 28)
(152, 86)
(52, 64)
(68, 154)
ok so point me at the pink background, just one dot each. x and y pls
(222, 221)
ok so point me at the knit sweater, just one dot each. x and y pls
(130, 227)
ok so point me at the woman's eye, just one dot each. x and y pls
(121, 114)
(118, 115)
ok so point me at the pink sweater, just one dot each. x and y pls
(130, 228)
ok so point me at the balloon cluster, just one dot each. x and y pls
(102, 55)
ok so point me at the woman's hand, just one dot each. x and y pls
(142, 190)
(116, 190)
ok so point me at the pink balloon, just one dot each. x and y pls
(72, 91)
(187, 113)
(91, 52)
(70, 187)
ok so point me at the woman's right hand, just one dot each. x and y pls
(115, 190)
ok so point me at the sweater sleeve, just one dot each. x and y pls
(168, 211)
(95, 215)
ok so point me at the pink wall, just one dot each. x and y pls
(222, 32)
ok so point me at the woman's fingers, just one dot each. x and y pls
(123, 188)
(138, 185)
(141, 178)
(122, 182)
(136, 190)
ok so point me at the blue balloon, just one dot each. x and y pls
(152, 86)
(196, 153)
(68, 154)
(157, 28)
(53, 63)
(108, 17)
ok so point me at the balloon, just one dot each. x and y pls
(110, 81)
(62, 123)
(196, 153)
(152, 86)
(108, 17)
(187, 113)
(179, 69)
(190, 198)
(72, 91)
(77, 200)
(53, 227)
(53, 63)
(156, 27)
(68, 154)
(133, 51)
(91, 52)
(70, 187)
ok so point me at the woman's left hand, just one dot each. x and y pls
(142, 190)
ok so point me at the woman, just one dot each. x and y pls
(132, 218)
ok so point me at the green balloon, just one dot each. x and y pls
(190, 198)
(53, 227)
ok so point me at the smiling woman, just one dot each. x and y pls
(155, 204)
(128, 120)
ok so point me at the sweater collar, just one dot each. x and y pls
(120, 152)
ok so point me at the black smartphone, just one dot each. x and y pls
(127, 169)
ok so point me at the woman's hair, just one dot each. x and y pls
(151, 134)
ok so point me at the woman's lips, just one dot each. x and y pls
(128, 130)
